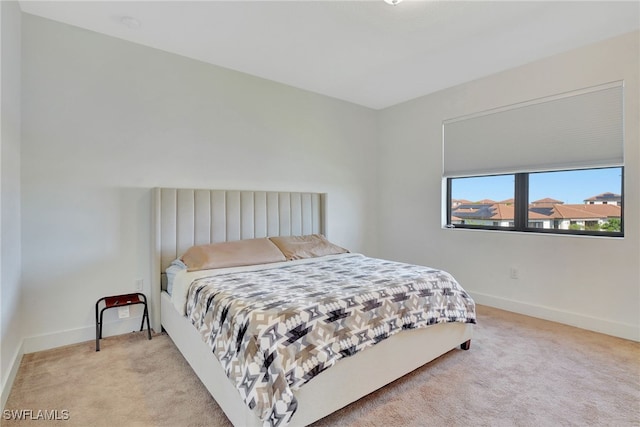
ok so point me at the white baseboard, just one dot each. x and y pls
(74, 336)
(616, 329)
(13, 371)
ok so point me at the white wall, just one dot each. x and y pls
(10, 292)
(589, 282)
(105, 120)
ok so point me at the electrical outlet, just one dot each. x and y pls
(123, 312)
(515, 274)
(139, 285)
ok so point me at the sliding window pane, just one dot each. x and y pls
(588, 200)
(485, 201)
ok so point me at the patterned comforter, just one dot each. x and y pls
(273, 330)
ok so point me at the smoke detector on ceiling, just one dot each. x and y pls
(130, 22)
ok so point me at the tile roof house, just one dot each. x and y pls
(604, 199)
(544, 213)
(546, 202)
(458, 202)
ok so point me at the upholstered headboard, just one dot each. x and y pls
(186, 217)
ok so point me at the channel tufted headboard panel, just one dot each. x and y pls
(186, 217)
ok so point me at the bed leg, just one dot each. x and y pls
(466, 345)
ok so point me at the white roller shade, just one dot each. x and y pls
(581, 129)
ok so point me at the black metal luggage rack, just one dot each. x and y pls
(121, 301)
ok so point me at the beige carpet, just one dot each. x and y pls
(520, 371)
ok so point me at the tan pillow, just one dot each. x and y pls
(310, 246)
(232, 254)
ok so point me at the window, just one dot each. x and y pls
(485, 201)
(551, 165)
(587, 201)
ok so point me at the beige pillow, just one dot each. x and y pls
(310, 246)
(232, 254)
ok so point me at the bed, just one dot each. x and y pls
(183, 218)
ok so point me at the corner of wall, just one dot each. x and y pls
(13, 371)
(11, 330)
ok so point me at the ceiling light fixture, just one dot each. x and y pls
(392, 2)
(130, 22)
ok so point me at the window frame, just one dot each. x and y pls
(521, 208)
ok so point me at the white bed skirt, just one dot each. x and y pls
(347, 381)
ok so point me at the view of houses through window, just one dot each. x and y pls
(583, 201)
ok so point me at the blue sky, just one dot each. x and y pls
(566, 186)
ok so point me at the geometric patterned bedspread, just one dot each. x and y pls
(273, 330)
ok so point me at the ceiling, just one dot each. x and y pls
(365, 52)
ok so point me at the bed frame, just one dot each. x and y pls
(186, 217)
